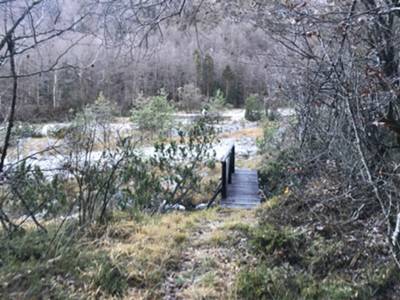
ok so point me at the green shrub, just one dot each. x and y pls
(279, 172)
(180, 164)
(326, 289)
(24, 246)
(32, 190)
(156, 116)
(59, 132)
(283, 242)
(218, 102)
(266, 144)
(325, 256)
(262, 282)
(25, 130)
(380, 282)
(190, 97)
(254, 108)
(102, 109)
(215, 106)
(31, 260)
(284, 282)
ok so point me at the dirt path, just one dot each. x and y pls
(212, 256)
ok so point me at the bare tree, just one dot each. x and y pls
(28, 26)
(345, 81)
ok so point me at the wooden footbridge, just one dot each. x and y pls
(238, 187)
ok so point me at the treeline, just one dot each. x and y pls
(222, 59)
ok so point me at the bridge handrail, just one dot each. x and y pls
(228, 168)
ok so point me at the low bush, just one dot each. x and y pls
(25, 130)
(156, 116)
(269, 142)
(301, 260)
(254, 108)
(279, 172)
(190, 97)
(283, 243)
(263, 282)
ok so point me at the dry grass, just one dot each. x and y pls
(181, 255)
(253, 163)
(256, 132)
(149, 251)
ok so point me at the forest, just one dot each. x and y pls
(115, 121)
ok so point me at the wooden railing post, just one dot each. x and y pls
(229, 163)
(233, 159)
(224, 188)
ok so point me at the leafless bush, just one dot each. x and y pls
(346, 87)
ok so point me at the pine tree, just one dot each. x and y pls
(208, 73)
(228, 78)
(199, 68)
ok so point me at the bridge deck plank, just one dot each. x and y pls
(243, 191)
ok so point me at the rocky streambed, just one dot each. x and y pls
(230, 126)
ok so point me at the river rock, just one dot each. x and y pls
(201, 206)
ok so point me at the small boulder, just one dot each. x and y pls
(178, 207)
(201, 206)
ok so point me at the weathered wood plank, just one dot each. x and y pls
(243, 191)
(239, 206)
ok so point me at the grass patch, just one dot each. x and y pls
(256, 132)
(110, 277)
(34, 267)
(129, 258)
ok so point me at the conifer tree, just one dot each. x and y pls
(228, 78)
(208, 73)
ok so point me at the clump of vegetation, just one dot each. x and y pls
(269, 142)
(279, 172)
(282, 242)
(263, 282)
(26, 130)
(179, 164)
(37, 264)
(217, 103)
(130, 258)
(190, 97)
(34, 193)
(92, 184)
(156, 116)
(254, 108)
(293, 265)
(58, 131)
(303, 255)
(110, 278)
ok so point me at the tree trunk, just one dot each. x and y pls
(10, 125)
(55, 81)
